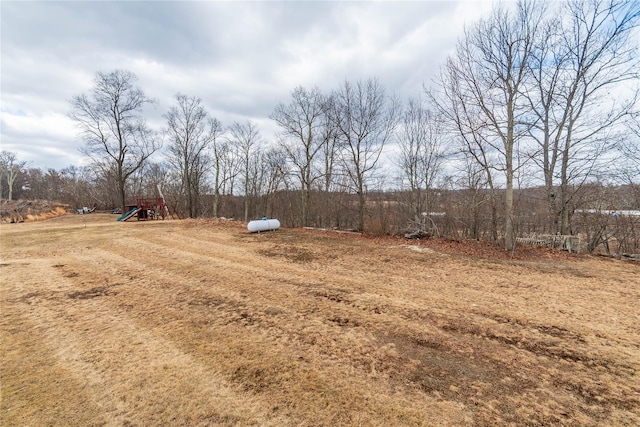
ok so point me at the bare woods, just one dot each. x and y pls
(531, 127)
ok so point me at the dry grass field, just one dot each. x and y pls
(200, 323)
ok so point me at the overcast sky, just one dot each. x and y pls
(241, 58)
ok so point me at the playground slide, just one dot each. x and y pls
(129, 214)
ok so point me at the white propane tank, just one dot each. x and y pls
(263, 224)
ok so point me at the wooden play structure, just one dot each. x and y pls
(149, 209)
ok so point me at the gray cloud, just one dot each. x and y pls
(241, 58)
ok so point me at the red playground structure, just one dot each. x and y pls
(149, 209)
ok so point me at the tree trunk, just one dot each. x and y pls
(121, 191)
(508, 207)
(361, 207)
(305, 206)
(494, 215)
(564, 185)
(509, 239)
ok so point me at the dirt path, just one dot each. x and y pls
(201, 323)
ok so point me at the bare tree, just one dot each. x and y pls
(629, 158)
(110, 119)
(191, 131)
(36, 186)
(269, 175)
(245, 139)
(10, 168)
(490, 67)
(304, 135)
(327, 164)
(224, 172)
(156, 178)
(580, 58)
(467, 124)
(473, 182)
(631, 148)
(420, 139)
(364, 119)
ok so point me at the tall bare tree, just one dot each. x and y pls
(117, 138)
(489, 69)
(473, 182)
(467, 124)
(364, 120)
(327, 163)
(421, 144)
(268, 176)
(245, 140)
(225, 169)
(303, 137)
(191, 131)
(585, 53)
(10, 168)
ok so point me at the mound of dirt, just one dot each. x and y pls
(14, 211)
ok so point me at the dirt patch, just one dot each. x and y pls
(100, 291)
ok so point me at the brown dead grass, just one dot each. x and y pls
(201, 323)
(56, 212)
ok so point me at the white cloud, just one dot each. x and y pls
(241, 58)
(41, 140)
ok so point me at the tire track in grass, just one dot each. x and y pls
(36, 388)
(249, 346)
(130, 374)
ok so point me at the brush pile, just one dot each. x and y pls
(15, 211)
